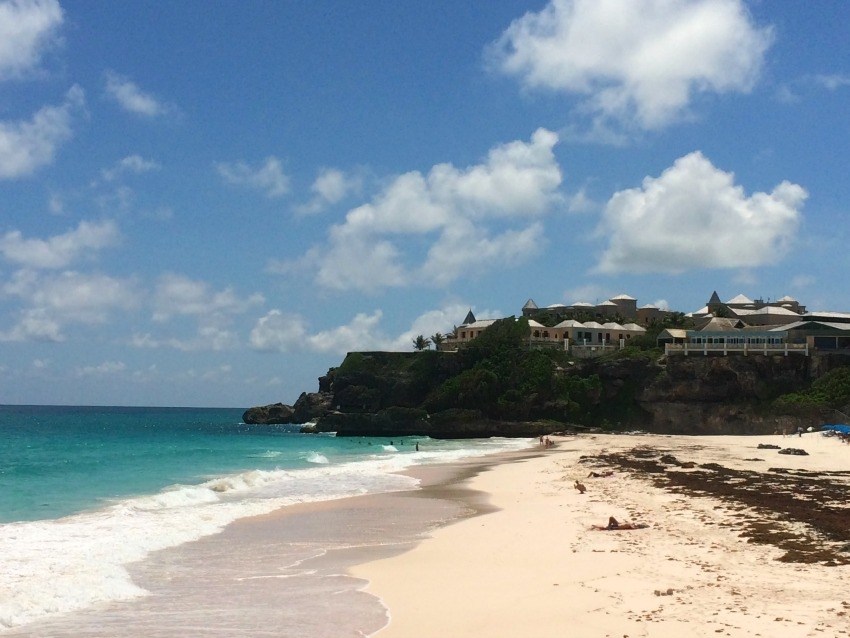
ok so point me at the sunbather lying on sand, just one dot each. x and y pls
(600, 474)
(614, 524)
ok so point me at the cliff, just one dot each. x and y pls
(453, 395)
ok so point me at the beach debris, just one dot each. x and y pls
(793, 450)
(804, 513)
(768, 446)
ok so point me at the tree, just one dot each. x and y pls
(420, 343)
(437, 339)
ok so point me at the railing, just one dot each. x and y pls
(736, 348)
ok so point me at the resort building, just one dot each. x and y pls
(738, 326)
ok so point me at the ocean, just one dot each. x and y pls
(97, 505)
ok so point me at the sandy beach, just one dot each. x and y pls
(740, 541)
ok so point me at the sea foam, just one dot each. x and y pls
(60, 565)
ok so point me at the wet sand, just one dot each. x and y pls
(283, 574)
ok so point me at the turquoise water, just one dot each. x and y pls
(87, 491)
(56, 461)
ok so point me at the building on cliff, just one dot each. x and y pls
(738, 325)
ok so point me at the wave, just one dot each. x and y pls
(268, 454)
(315, 457)
(61, 565)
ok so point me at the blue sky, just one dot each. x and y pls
(210, 203)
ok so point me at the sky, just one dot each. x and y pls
(210, 203)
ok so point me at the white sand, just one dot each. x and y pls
(535, 568)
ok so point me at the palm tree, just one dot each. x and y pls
(437, 339)
(421, 343)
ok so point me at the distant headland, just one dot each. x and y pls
(740, 366)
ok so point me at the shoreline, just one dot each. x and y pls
(286, 572)
(711, 562)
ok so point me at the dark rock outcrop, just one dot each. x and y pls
(389, 394)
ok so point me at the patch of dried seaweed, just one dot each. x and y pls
(804, 513)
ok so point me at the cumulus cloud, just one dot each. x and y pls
(458, 216)
(60, 250)
(177, 295)
(34, 324)
(331, 187)
(26, 146)
(27, 29)
(131, 98)
(134, 164)
(635, 64)
(278, 331)
(54, 300)
(268, 177)
(695, 216)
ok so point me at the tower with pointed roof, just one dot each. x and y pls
(530, 308)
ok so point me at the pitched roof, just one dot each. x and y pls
(481, 323)
(623, 298)
(740, 299)
(721, 324)
(606, 303)
(775, 310)
(787, 298)
(470, 318)
(715, 298)
(633, 327)
(530, 305)
(570, 323)
(611, 325)
(535, 324)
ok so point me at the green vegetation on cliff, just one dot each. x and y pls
(832, 390)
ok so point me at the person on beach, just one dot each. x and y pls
(614, 524)
(580, 487)
(600, 474)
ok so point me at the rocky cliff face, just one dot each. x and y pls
(383, 395)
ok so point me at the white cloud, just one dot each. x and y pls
(278, 332)
(832, 81)
(282, 332)
(451, 211)
(331, 187)
(74, 296)
(588, 293)
(267, 178)
(803, 282)
(106, 368)
(27, 29)
(286, 332)
(26, 146)
(661, 304)
(208, 338)
(581, 203)
(638, 63)
(34, 325)
(131, 98)
(695, 216)
(464, 248)
(60, 250)
(55, 300)
(177, 295)
(135, 164)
